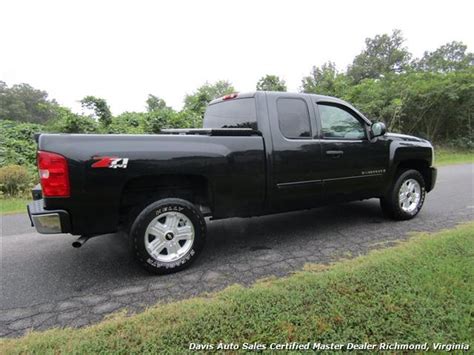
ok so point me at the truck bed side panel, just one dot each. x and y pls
(234, 168)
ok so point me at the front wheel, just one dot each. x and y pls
(406, 197)
(168, 235)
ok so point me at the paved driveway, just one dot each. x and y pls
(46, 283)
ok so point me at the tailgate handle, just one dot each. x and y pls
(334, 153)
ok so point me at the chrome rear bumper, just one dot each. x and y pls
(46, 221)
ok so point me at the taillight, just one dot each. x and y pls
(54, 174)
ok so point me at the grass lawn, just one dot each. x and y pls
(445, 156)
(13, 205)
(419, 291)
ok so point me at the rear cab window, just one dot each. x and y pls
(233, 113)
(293, 118)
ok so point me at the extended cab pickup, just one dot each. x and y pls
(258, 153)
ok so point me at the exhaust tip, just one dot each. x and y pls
(79, 242)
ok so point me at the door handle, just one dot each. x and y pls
(334, 153)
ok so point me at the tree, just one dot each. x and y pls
(322, 80)
(100, 108)
(449, 57)
(383, 54)
(186, 119)
(154, 103)
(16, 143)
(69, 122)
(24, 103)
(128, 122)
(197, 101)
(380, 100)
(271, 83)
(155, 121)
(432, 105)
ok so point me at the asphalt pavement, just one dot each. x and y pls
(46, 283)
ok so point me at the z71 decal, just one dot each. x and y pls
(110, 162)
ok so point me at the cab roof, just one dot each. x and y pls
(315, 97)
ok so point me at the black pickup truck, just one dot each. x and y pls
(257, 153)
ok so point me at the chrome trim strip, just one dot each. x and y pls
(282, 185)
(353, 177)
(336, 140)
(306, 182)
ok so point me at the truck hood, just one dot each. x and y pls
(405, 137)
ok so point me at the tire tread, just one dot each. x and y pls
(139, 224)
(389, 203)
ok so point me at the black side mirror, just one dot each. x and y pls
(378, 129)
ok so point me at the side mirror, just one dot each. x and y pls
(378, 129)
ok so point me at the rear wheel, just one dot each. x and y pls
(406, 197)
(168, 235)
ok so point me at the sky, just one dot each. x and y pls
(124, 50)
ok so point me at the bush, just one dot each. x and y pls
(17, 144)
(14, 180)
(158, 120)
(433, 105)
(127, 123)
(69, 122)
(186, 119)
(463, 143)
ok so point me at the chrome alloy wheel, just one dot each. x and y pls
(169, 236)
(409, 195)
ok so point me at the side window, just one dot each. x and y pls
(293, 118)
(337, 123)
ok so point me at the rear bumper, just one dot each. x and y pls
(433, 176)
(36, 192)
(48, 221)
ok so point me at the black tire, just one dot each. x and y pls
(390, 203)
(144, 219)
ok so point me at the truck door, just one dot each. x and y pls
(354, 167)
(295, 175)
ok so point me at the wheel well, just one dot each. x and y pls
(139, 192)
(417, 164)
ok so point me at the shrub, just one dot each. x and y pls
(186, 119)
(14, 179)
(17, 144)
(158, 120)
(69, 122)
(463, 143)
(127, 122)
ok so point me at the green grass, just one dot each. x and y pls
(419, 291)
(446, 156)
(13, 205)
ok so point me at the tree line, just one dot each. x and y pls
(431, 96)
